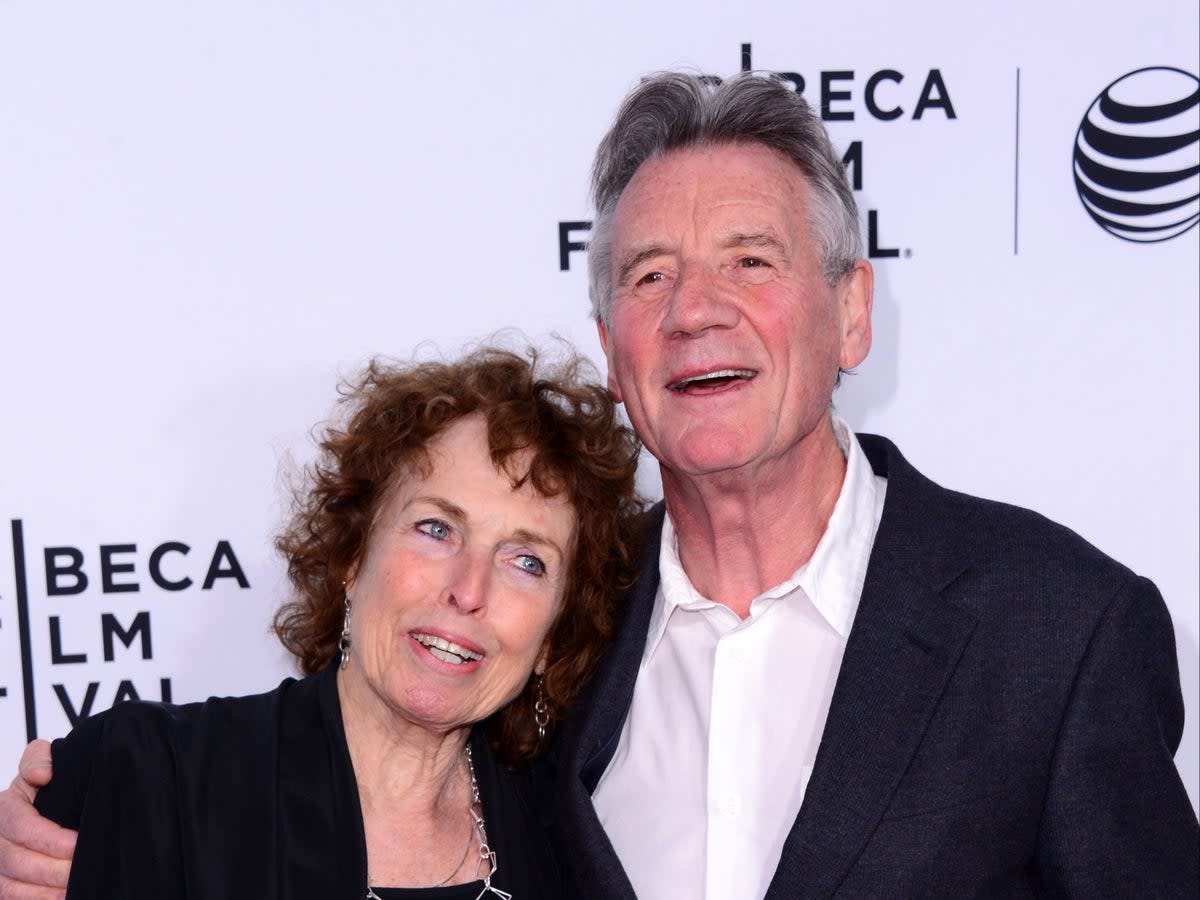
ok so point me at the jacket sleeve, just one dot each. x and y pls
(114, 780)
(63, 798)
(1117, 819)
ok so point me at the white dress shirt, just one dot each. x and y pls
(727, 713)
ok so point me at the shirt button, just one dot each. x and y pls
(731, 805)
(738, 654)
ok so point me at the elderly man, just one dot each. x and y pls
(833, 677)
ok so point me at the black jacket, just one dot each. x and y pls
(248, 797)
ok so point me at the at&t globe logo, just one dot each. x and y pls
(1137, 155)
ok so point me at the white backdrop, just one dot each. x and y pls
(208, 213)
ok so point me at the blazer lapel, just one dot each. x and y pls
(905, 643)
(592, 734)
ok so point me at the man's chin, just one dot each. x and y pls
(714, 453)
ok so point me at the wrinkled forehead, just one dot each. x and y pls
(726, 189)
(468, 440)
(715, 154)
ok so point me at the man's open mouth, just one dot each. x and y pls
(446, 651)
(712, 381)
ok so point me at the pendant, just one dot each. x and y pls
(488, 889)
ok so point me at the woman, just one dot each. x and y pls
(453, 554)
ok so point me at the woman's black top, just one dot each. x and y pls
(251, 797)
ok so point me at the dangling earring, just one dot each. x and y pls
(541, 713)
(344, 640)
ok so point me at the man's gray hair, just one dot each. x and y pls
(672, 110)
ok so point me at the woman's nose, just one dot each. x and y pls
(467, 590)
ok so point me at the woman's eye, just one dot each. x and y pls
(527, 562)
(434, 528)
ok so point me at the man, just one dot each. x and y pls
(833, 677)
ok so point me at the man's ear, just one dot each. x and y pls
(855, 295)
(607, 347)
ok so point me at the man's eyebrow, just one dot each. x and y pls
(635, 258)
(763, 239)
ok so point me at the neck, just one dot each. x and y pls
(741, 534)
(394, 757)
(414, 789)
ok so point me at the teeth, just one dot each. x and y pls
(713, 376)
(446, 651)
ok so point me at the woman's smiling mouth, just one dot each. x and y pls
(446, 651)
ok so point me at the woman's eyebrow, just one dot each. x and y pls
(525, 536)
(453, 511)
(449, 508)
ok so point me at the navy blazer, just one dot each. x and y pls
(1003, 723)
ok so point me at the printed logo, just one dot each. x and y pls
(1137, 155)
(84, 618)
(885, 95)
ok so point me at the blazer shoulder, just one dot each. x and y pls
(1016, 551)
(1013, 534)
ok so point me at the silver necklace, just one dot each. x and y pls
(487, 856)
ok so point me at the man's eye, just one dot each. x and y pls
(751, 262)
(527, 562)
(434, 528)
(650, 278)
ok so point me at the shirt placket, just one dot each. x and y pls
(728, 805)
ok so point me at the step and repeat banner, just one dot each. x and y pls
(210, 214)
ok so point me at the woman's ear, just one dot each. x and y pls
(351, 578)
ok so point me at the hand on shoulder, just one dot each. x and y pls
(35, 853)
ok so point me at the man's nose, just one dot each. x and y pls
(699, 301)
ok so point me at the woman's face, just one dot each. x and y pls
(460, 583)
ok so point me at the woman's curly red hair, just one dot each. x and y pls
(567, 428)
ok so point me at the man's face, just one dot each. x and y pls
(725, 339)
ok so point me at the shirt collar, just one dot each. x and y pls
(833, 576)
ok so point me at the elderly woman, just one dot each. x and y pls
(454, 554)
